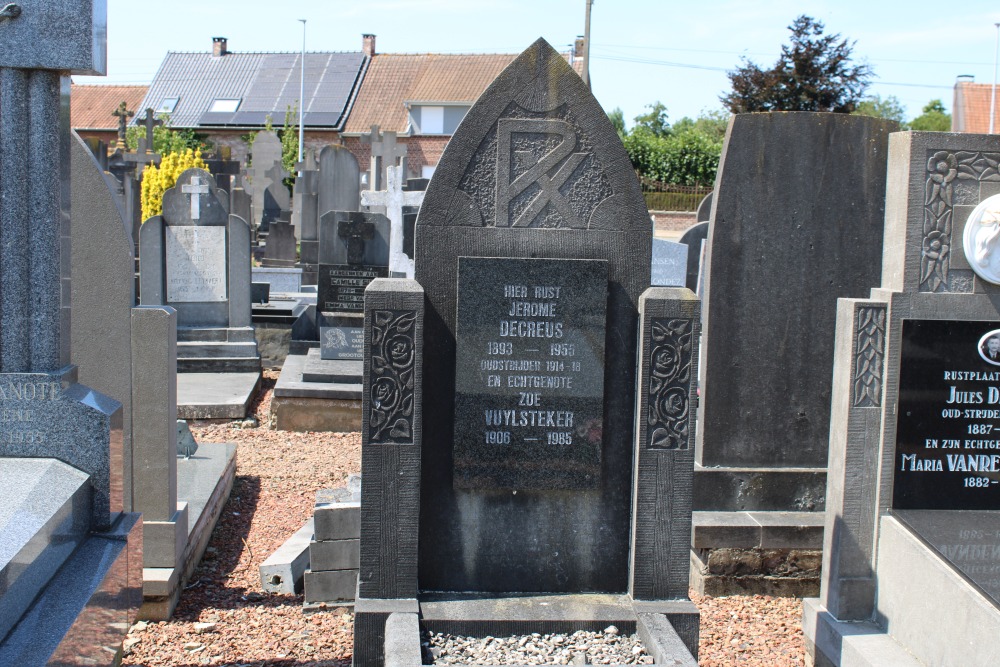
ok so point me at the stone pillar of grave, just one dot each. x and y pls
(51, 415)
(392, 403)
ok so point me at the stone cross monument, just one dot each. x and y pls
(394, 198)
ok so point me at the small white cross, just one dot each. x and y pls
(394, 198)
(195, 189)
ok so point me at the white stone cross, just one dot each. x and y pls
(196, 189)
(394, 198)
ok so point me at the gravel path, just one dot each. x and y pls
(226, 619)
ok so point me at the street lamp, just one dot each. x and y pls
(302, 90)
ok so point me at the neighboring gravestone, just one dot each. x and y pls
(513, 453)
(705, 209)
(193, 256)
(101, 333)
(69, 555)
(279, 252)
(354, 250)
(669, 267)
(196, 258)
(695, 239)
(266, 177)
(339, 183)
(798, 219)
(914, 476)
(241, 204)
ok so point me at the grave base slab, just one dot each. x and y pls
(499, 615)
(297, 405)
(215, 395)
(757, 553)
(204, 483)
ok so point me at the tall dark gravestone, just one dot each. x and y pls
(797, 223)
(914, 467)
(507, 455)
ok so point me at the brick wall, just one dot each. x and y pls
(672, 223)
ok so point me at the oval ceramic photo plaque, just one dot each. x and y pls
(982, 239)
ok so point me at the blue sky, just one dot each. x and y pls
(642, 50)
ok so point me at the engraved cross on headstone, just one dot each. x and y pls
(394, 198)
(356, 232)
(196, 189)
(123, 115)
(384, 153)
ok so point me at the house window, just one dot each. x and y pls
(427, 170)
(432, 120)
(224, 106)
(168, 105)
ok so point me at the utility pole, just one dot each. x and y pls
(993, 96)
(302, 91)
(586, 46)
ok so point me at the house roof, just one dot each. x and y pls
(971, 108)
(393, 80)
(265, 84)
(90, 107)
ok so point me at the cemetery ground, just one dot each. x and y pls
(226, 618)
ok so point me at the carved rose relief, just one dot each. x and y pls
(669, 384)
(392, 369)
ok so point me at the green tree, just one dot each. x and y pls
(933, 118)
(166, 139)
(889, 108)
(290, 140)
(813, 73)
(685, 154)
(654, 122)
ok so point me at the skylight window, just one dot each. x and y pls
(224, 106)
(168, 105)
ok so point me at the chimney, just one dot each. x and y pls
(219, 46)
(368, 45)
(578, 47)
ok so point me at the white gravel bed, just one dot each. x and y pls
(608, 647)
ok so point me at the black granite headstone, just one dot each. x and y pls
(260, 292)
(341, 287)
(694, 238)
(529, 382)
(948, 428)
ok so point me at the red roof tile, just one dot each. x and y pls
(971, 109)
(91, 106)
(394, 79)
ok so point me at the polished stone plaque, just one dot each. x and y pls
(529, 380)
(341, 287)
(948, 424)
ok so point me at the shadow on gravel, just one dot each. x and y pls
(276, 662)
(210, 585)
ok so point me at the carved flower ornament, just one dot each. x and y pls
(942, 167)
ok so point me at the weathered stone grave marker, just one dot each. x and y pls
(508, 461)
(796, 206)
